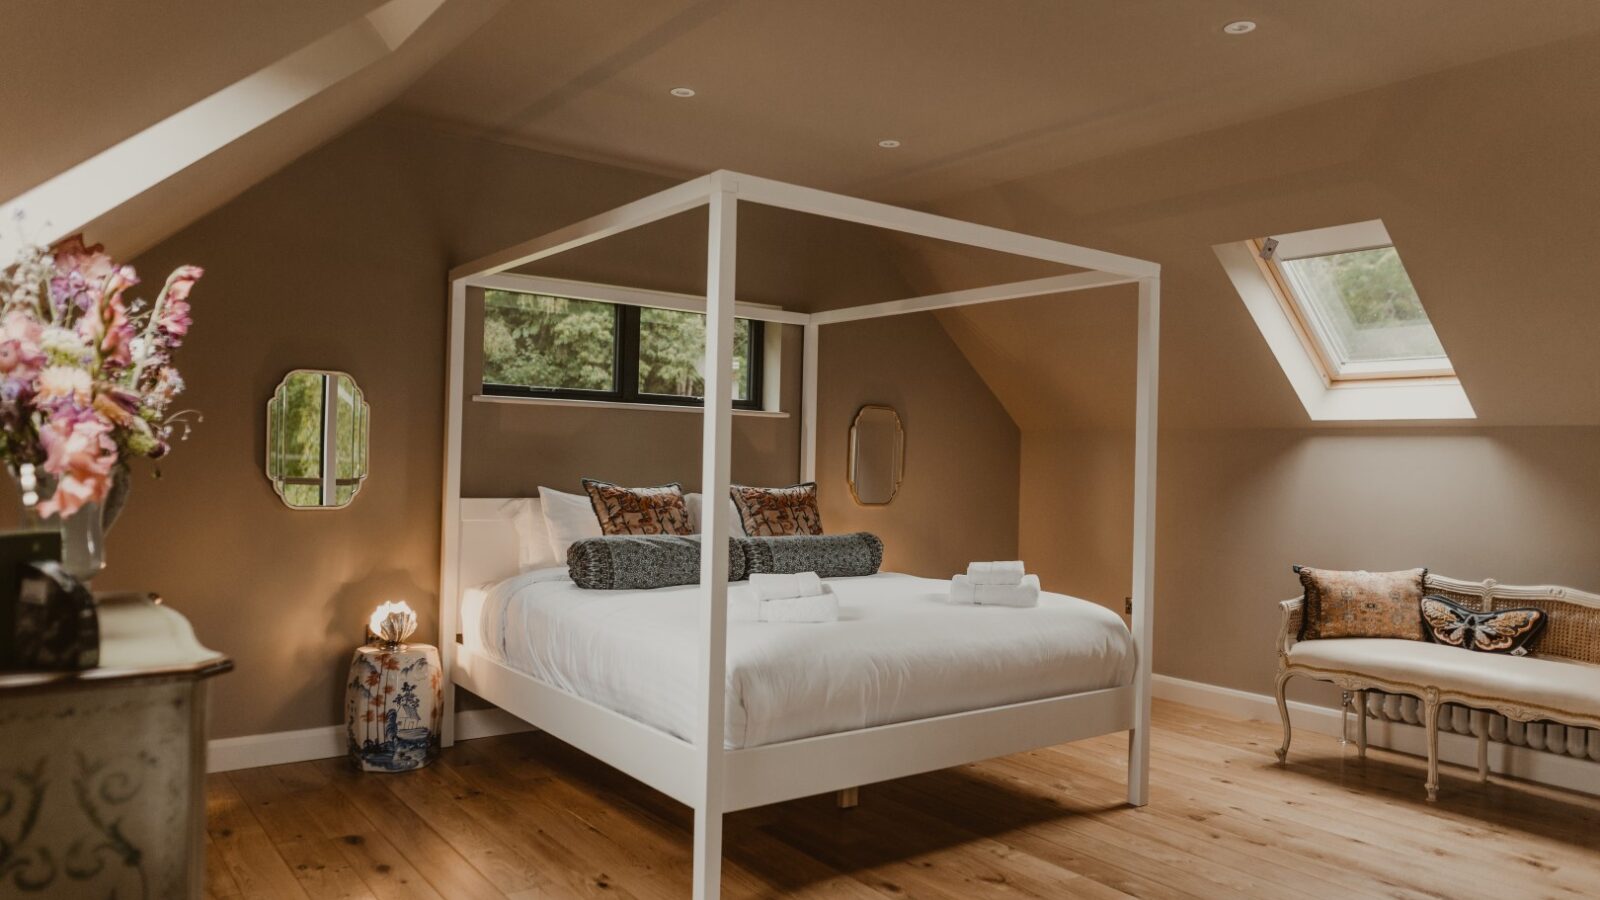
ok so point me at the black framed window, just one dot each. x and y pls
(537, 345)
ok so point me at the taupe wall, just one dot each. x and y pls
(340, 261)
(959, 498)
(1238, 507)
(1480, 174)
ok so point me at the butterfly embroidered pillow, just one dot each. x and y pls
(1503, 631)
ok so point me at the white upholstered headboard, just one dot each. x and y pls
(492, 538)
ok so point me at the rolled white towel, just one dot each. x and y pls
(1025, 594)
(997, 572)
(780, 587)
(823, 607)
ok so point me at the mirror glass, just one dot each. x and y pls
(877, 455)
(317, 439)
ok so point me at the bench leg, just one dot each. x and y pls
(848, 798)
(1361, 724)
(1431, 713)
(1283, 711)
(1483, 746)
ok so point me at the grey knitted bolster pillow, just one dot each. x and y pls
(639, 561)
(828, 555)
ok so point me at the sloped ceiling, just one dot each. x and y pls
(1485, 176)
(1133, 126)
(979, 93)
(168, 158)
(81, 75)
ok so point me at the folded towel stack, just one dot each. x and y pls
(801, 597)
(995, 584)
(782, 587)
(999, 572)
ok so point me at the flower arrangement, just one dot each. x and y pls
(86, 374)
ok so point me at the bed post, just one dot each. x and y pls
(1144, 536)
(450, 527)
(808, 402)
(716, 451)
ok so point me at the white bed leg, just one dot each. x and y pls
(1139, 767)
(717, 450)
(447, 715)
(849, 798)
(707, 855)
(1144, 537)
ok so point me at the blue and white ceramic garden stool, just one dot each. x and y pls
(392, 706)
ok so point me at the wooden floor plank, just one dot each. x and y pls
(1382, 827)
(219, 883)
(245, 850)
(524, 817)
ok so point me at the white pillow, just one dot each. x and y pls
(692, 503)
(569, 518)
(532, 545)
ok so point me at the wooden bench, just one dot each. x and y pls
(1559, 682)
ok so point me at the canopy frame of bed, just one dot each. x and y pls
(701, 773)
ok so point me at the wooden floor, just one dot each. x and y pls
(524, 816)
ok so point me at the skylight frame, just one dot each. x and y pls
(1308, 323)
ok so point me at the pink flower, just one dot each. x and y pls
(81, 454)
(72, 255)
(19, 343)
(182, 281)
(175, 320)
(113, 317)
(80, 274)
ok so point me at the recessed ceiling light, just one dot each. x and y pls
(1243, 26)
(889, 144)
(682, 92)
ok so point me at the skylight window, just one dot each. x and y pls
(1343, 320)
(1353, 303)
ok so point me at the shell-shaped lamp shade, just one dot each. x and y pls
(393, 622)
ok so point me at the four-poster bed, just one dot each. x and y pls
(701, 772)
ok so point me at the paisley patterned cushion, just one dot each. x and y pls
(648, 510)
(828, 555)
(1505, 631)
(778, 511)
(639, 562)
(1362, 604)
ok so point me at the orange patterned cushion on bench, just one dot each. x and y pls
(1362, 604)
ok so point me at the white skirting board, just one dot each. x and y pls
(1551, 769)
(250, 751)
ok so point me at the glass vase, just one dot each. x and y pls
(83, 542)
(83, 534)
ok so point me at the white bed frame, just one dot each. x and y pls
(479, 543)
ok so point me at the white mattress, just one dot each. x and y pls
(898, 652)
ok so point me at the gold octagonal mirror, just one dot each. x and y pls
(877, 455)
(317, 423)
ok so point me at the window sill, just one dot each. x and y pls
(611, 404)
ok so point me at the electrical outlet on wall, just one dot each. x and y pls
(1127, 606)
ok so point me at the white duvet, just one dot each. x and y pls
(898, 652)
